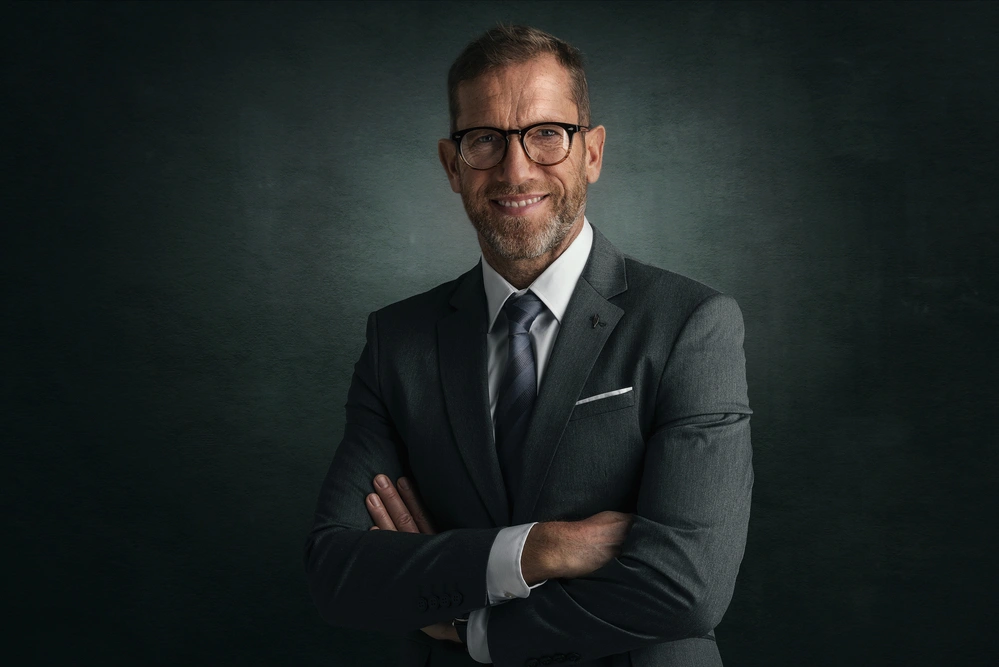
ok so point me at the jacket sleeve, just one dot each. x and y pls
(676, 573)
(379, 579)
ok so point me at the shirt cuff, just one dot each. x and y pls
(504, 577)
(475, 635)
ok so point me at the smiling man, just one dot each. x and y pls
(547, 459)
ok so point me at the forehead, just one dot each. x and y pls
(518, 95)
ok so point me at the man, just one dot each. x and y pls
(576, 422)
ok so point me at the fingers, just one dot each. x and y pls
(378, 513)
(416, 508)
(443, 631)
(398, 514)
(398, 509)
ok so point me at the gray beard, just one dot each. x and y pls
(509, 237)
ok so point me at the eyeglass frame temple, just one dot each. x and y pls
(571, 128)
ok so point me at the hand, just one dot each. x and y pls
(569, 549)
(403, 511)
(443, 631)
(399, 510)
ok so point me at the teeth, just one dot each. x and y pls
(519, 204)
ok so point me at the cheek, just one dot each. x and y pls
(574, 177)
(569, 184)
(468, 183)
(479, 178)
(477, 188)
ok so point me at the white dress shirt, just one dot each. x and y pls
(504, 579)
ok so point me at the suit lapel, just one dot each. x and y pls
(579, 343)
(461, 340)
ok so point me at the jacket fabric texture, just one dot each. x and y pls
(674, 450)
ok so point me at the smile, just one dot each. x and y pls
(521, 203)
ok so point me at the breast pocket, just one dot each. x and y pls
(601, 403)
(598, 463)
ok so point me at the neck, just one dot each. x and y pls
(522, 272)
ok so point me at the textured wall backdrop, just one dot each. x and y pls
(203, 202)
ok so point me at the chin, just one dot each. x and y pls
(519, 241)
(517, 250)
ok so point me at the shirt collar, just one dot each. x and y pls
(554, 286)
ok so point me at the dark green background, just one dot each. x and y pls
(202, 203)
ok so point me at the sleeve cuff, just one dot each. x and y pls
(504, 578)
(476, 638)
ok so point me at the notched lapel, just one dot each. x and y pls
(461, 349)
(580, 340)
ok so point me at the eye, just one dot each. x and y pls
(485, 139)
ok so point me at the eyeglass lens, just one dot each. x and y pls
(545, 144)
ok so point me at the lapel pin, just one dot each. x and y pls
(596, 320)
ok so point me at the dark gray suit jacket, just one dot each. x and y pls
(675, 451)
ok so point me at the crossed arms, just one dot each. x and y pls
(554, 549)
(671, 578)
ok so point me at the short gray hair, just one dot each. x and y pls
(507, 45)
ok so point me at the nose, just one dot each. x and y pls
(516, 167)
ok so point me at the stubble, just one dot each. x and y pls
(515, 237)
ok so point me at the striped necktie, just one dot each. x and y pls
(518, 389)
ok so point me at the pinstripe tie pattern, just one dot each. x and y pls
(517, 391)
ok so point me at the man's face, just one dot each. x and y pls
(515, 97)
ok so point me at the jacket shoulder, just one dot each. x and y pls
(655, 285)
(418, 313)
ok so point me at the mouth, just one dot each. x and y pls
(518, 205)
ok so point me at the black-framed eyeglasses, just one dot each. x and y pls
(546, 144)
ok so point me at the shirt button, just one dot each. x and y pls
(508, 595)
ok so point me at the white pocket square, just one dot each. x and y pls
(606, 394)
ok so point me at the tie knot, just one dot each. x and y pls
(521, 311)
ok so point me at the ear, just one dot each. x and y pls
(594, 156)
(448, 154)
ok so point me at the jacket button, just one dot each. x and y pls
(432, 602)
(456, 599)
(532, 663)
(444, 600)
(559, 657)
(421, 604)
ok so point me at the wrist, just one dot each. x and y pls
(460, 626)
(542, 557)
